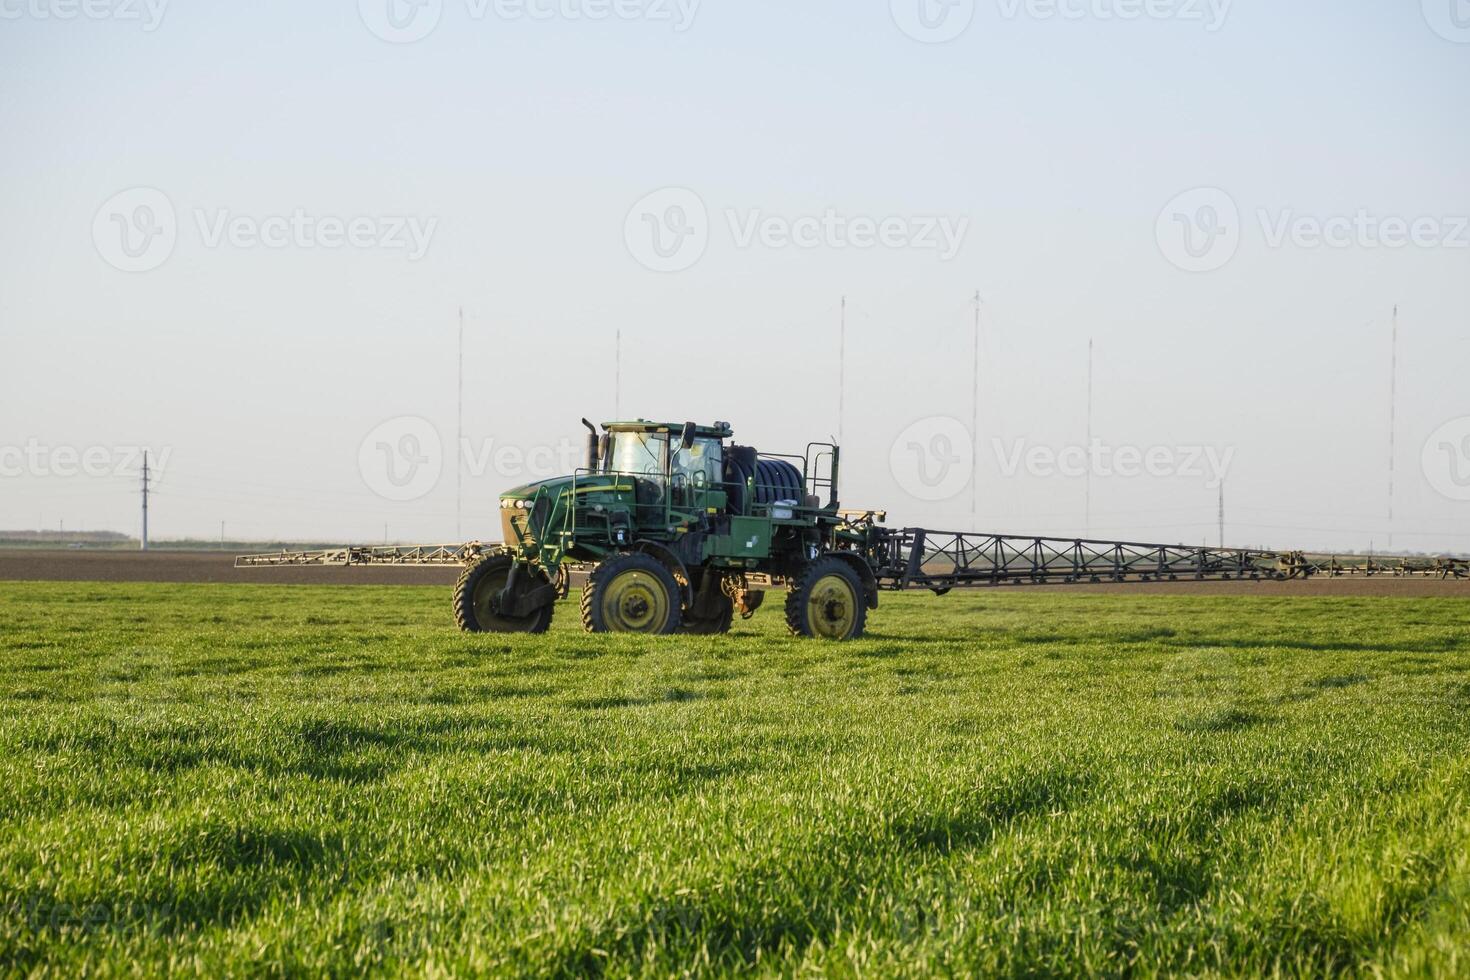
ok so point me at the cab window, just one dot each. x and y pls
(705, 458)
(638, 453)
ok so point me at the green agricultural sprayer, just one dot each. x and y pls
(678, 529)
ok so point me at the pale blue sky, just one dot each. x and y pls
(527, 142)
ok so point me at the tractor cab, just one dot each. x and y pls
(683, 464)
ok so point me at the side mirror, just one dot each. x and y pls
(687, 440)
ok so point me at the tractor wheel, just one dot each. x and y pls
(477, 589)
(712, 625)
(630, 594)
(827, 602)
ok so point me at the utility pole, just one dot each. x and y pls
(221, 535)
(1087, 491)
(975, 417)
(618, 379)
(1222, 515)
(1393, 403)
(459, 442)
(145, 500)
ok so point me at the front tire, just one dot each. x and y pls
(631, 594)
(827, 602)
(480, 584)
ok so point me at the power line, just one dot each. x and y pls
(459, 441)
(1087, 491)
(1393, 399)
(145, 500)
(841, 371)
(975, 416)
(1222, 513)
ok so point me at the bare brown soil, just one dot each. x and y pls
(81, 565)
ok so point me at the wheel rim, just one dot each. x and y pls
(831, 608)
(636, 602)
(487, 589)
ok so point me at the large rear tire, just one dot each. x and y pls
(481, 584)
(631, 594)
(827, 602)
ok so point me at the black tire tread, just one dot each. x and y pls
(609, 569)
(796, 596)
(464, 597)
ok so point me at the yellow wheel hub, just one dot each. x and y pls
(831, 609)
(636, 602)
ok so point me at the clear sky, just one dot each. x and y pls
(239, 234)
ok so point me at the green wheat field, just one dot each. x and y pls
(219, 780)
